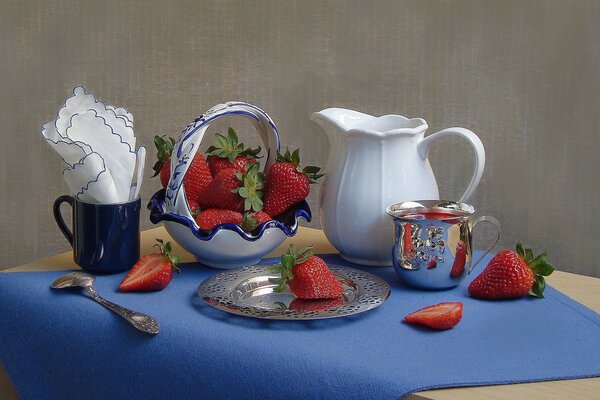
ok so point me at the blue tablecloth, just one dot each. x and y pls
(61, 345)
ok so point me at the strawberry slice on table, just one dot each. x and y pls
(197, 177)
(307, 275)
(439, 316)
(152, 272)
(287, 183)
(228, 153)
(234, 190)
(212, 217)
(511, 275)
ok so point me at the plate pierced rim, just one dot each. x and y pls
(217, 291)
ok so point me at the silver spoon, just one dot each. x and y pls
(141, 321)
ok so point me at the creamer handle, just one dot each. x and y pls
(473, 139)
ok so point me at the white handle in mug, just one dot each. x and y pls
(473, 139)
(188, 143)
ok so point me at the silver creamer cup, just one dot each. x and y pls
(433, 246)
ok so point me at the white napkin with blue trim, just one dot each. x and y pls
(97, 143)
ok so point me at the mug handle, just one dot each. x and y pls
(58, 216)
(496, 223)
(474, 141)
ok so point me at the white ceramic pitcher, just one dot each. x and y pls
(375, 162)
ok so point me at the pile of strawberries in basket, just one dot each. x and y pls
(228, 186)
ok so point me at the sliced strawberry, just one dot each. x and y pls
(152, 272)
(438, 316)
(212, 217)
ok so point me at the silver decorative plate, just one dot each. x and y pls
(247, 291)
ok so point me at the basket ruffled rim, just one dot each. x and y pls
(288, 222)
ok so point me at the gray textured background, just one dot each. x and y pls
(524, 75)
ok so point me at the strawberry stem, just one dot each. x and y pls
(289, 259)
(540, 267)
(165, 250)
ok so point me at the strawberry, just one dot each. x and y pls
(304, 305)
(253, 220)
(432, 263)
(307, 276)
(511, 275)
(197, 177)
(162, 166)
(287, 183)
(194, 207)
(212, 217)
(228, 153)
(152, 272)
(234, 190)
(460, 258)
(439, 316)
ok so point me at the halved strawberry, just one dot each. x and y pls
(438, 316)
(307, 276)
(152, 272)
(228, 153)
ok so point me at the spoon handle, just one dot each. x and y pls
(143, 322)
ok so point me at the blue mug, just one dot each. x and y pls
(105, 237)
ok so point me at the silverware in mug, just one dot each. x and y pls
(141, 321)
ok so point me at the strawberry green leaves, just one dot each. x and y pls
(228, 147)
(294, 158)
(251, 189)
(164, 148)
(540, 267)
(288, 261)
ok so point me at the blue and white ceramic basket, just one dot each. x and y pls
(227, 245)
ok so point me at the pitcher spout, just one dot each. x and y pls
(337, 120)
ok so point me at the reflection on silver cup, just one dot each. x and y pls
(433, 242)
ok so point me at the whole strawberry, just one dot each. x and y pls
(228, 153)
(234, 190)
(152, 272)
(307, 276)
(212, 217)
(252, 220)
(287, 183)
(511, 275)
(197, 177)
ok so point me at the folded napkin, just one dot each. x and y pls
(97, 143)
(61, 345)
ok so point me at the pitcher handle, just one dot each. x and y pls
(473, 139)
(496, 223)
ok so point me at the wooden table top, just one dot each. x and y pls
(583, 289)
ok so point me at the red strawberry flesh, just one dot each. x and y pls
(438, 316)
